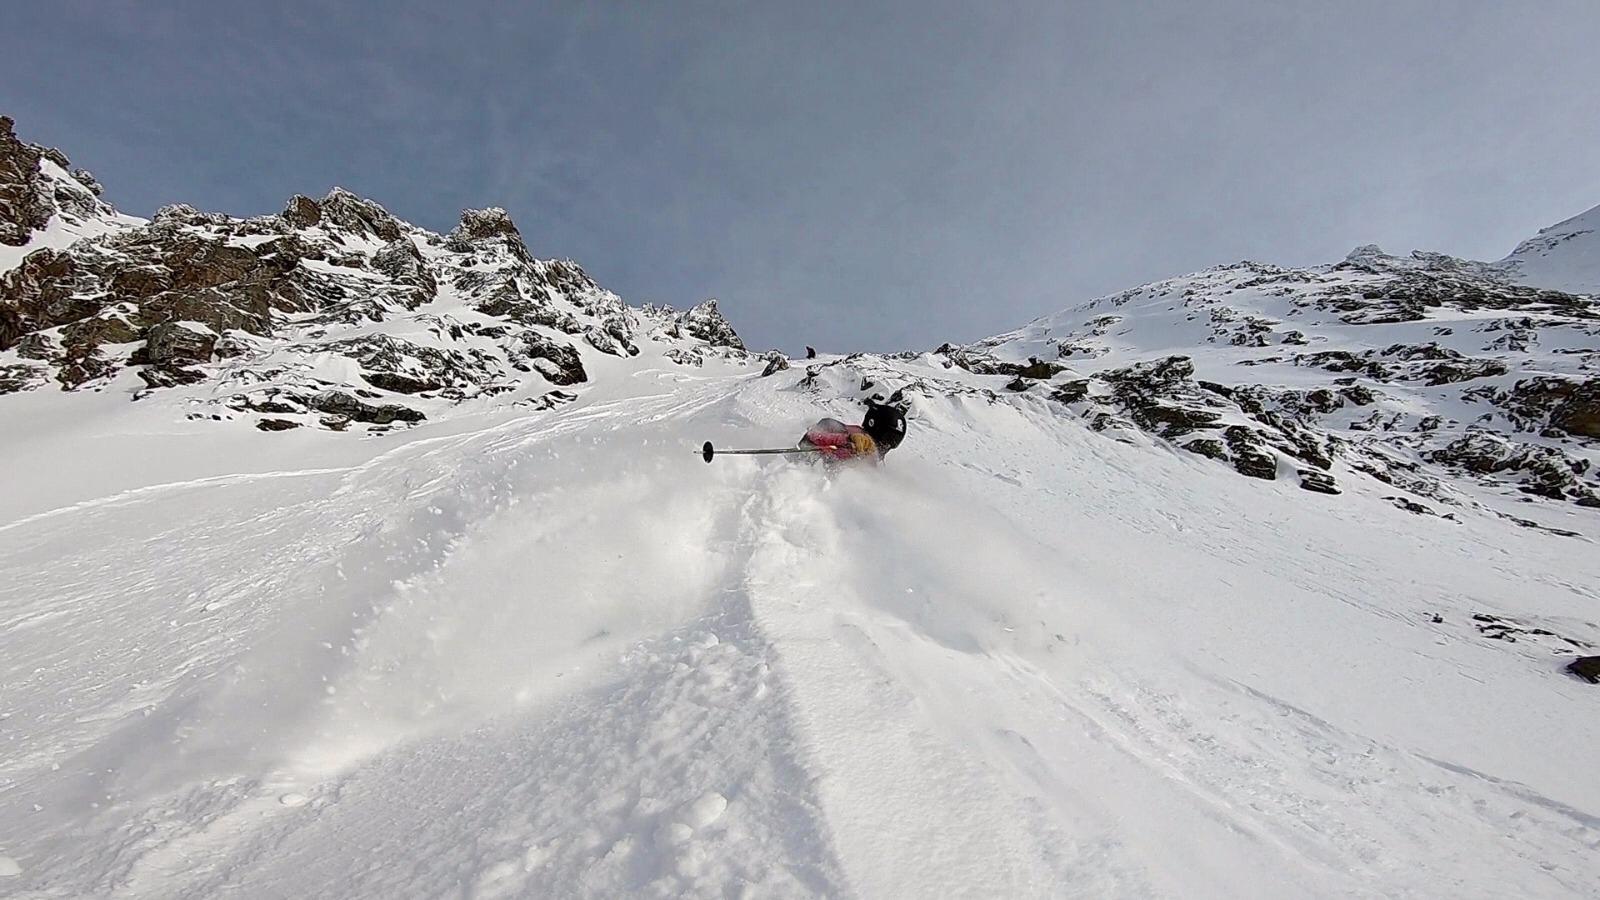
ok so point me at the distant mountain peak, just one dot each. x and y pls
(1565, 256)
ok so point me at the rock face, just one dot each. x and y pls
(180, 343)
(38, 184)
(1587, 668)
(23, 201)
(706, 323)
(776, 362)
(332, 298)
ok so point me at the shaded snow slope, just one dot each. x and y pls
(555, 654)
(1565, 256)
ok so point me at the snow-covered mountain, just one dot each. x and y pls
(1426, 373)
(1565, 256)
(330, 314)
(1255, 582)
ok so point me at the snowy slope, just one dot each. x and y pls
(555, 654)
(1256, 582)
(1565, 256)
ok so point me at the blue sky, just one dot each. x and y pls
(856, 175)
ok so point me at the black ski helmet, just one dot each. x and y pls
(885, 424)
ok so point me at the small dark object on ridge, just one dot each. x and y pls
(1587, 668)
(811, 352)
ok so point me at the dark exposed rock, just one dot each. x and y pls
(401, 262)
(1587, 668)
(179, 343)
(483, 225)
(1413, 507)
(559, 363)
(686, 356)
(776, 362)
(1207, 447)
(548, 400)
(340, 403)
(613, 337)
(1571, 406)
(1541, 471)
(342, 209)
(1071, 391)
(1459, 370)
(1409, 295)
(301, 212)
(1318, 482)
(38, 345)
(170, 376)
(15, 378)
(276, 424)
(1159, 397)
(706, 323)
(981, 363)
(1344, 361)
(1414, 352)
(1357, 394)
(478, 224)
(1249, 457)
(1040, 370)
(1253, 331)
(393, 364)
(24, 204)
(86, 335)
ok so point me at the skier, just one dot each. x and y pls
(881, 431)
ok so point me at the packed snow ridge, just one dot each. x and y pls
(348, 559)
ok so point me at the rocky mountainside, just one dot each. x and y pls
(330, 313)
(1440, 378)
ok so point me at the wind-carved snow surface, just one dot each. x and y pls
(554, 654)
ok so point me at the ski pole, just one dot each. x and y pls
(708, 451)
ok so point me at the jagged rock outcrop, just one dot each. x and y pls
(559, 363)
(776, 362)
(485, 226)
(1543, 471)
(24, 201)
(706, 323)
(259, 316)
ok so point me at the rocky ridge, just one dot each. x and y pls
(331, 313)
(1437, 376)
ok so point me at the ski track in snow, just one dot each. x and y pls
(561, 657)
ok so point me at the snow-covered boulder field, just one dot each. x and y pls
(343, 559)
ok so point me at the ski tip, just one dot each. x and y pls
(707, 451)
